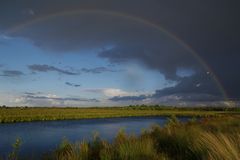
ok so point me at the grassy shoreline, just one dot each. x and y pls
(212, 138)
(23, 114)
(215, 138)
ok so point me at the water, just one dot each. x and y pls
(41, 137)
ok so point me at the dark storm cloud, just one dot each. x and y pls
(199, 87)
(47, 68)
(11, 73)
(61, 99)
(210, 27)
(114, 35)
(200, 83)
(166, 59)
(72, 84)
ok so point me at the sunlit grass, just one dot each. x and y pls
(221, 146)
(42, 114)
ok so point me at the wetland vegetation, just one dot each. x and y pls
(27, 114)
(211, 138)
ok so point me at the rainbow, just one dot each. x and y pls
(157, 27)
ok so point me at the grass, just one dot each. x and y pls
(210, 139)
(221, 146)
(27, 114)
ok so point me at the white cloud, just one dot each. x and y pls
(41, 99)
(112, 92)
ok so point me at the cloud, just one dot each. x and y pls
(72, 84)
(184, 99)
(189, 97)
(40, 99)
(45, 99)
(97, 70)
(188, 89)
(61, 99)
(109, 92)
(121, 39)
(112, 92)
(198, 83)
(32, 93)
(192, 100)
(165, 59)
(47, 68)
(11, 73)
(128, 98)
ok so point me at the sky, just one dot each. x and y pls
(116, 53)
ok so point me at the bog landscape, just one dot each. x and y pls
(119, 80)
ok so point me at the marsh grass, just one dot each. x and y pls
(124, 147)
(16, 114)
(207, 139)
(134, 148)
(220, 146)
(69, 151)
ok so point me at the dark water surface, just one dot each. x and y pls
(41, 137)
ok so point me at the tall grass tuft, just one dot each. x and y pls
(220, 146)
(107, 152)
(177, 142)
(68, 151)
(132, 148)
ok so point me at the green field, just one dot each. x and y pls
(26, 114)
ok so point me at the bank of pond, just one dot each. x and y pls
(132, 138)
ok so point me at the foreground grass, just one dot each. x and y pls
(18, 114)
(210, 139)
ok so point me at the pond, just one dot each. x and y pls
(41, 137)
